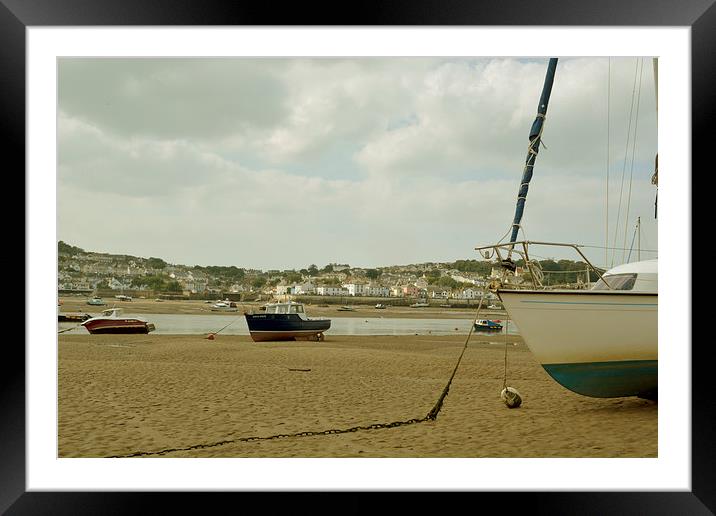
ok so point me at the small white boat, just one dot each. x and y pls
(224, 306)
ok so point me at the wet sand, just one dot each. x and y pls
(187, 396)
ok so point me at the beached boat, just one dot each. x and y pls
(380, 306)
(96, 301)
(112, 320)
(487, 324)
(600, 342)
(420, 304)
(346, 309)
(73, 317)
(285, 321)
(224, 306)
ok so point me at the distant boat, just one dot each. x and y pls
(420, 305)
(285, 321)
(380, 306)
(346, 309)
(487, 324)
(112, 321)
(73, 317)
(97, 301)
(122, 297)
(224, 306)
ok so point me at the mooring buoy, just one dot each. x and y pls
(511, 397)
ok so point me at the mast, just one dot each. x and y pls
(655, 177)
(535, 138)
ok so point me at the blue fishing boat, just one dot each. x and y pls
(487, 324)
(285, 321)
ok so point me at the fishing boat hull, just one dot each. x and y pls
(115, 326)
(277, 327)
(601, 344)
(481, 327)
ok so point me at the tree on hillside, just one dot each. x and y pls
(173, 286)
(156, 263)
(68, 249)
(373, 273)
(433, 275)
(292, 277)
(258, 282)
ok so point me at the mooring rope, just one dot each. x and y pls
(433, 414)
(430, 416)
(68, 329)
(222, 329)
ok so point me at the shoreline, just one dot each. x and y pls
(147, 306)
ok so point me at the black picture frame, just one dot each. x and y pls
(17, 15)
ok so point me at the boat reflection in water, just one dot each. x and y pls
(285, 321)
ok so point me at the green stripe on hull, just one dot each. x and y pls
(607, 379)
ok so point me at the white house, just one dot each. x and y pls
(355, 289)
(377, 291)
(331, 291)
(470, 293)
(305, 288)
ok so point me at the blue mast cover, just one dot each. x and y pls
(535, 138)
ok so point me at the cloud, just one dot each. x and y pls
(172, 98)
(275, 163)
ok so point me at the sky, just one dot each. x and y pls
(280, 163)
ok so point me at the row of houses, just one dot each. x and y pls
(363, 290)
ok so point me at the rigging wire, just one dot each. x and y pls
(609, 95)
(626, 153)
(633, 153)
(636, 228)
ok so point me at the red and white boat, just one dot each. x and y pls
(112, 321)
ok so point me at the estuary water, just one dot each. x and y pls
(235, 324)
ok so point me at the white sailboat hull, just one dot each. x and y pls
(596, 343)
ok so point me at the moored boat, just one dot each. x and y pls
(96, 301)
(285, 321)
(73, 317)
(600, 342)
(224, 306)
(487, 324)
(112, 320)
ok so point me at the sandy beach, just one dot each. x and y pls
(187, 396)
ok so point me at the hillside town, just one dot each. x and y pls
(83, 272)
